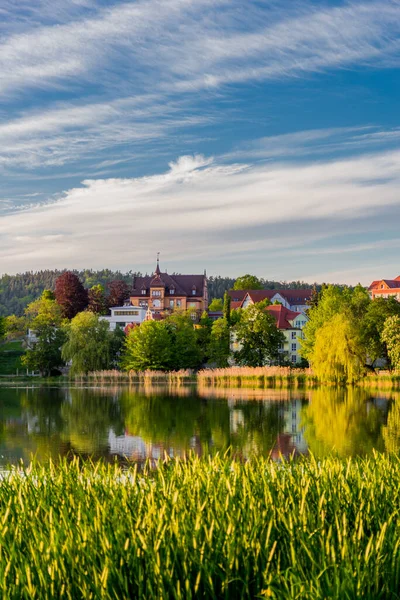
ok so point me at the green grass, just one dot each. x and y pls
(203, 529)
(10, 358)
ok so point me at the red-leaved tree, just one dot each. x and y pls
(70, 295)
(118, 292)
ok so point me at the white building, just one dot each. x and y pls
(121, 316)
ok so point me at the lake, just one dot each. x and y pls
(135, 424)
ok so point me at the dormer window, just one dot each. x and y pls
(143, 291)
(172, 291)
(194, 289)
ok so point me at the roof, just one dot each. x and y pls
(391, 283)
(292, 296)
(182, 284)
(282, 315)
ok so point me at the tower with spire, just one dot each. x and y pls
(162, 293)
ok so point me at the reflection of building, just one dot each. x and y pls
(385, 288)
(295, 300)
(290, 412)
(162, 293)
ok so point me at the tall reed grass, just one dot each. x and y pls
(201, 528)
(114, 376)
(257, 376)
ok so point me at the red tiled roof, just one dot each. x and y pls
(282, 315)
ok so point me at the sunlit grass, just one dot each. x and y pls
(205, 528)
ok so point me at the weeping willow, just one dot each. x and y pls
(338, 356)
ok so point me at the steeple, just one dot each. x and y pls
(157, 271)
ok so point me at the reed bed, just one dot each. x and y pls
(201, 528)
(114, 376)
(257, 376)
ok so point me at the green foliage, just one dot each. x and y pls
(186, 353)
(43, 312)
(89, 344)
(248, 282)
(45, 355)
(203, 529)
(373, 323)
(97, 300)
(219, 346)
(338, 355)
(258, 337)
(148, 347)
(227, 308)
(15, 326)
(391, 337)
(2, 328)
(216, 305)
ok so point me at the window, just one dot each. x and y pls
(193, 316)
(294, 358)
(178, 302)
(294, 347)
(157, 303)
(123, 313)
(171, 304)
(143, 303)
(172, 291)
(193, 292)
(192, 304)
(143, 292)
(156, 293)
(293, 335)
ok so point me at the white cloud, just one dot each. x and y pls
(195, 209)
(188, 44)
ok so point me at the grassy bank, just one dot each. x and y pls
(10, 358)
(204, 529)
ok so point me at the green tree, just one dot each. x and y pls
(89, 344)
(97, 300)
(332, 301)
(219, 345)
(185, 351)
(391, 431)
(247, 282)
(45, 354)
(2, 328)
(373, 323)
(258, 336)
(391, 337)
(203, 333)
(227, 308)
(216, 305)
(44, 311)
(148, 347)
(338, 354)
(15, 326)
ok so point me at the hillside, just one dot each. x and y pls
(16, 291)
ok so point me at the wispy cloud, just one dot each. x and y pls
(202, 206)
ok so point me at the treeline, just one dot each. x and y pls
(17, 291)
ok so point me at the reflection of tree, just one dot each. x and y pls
(182, 423)
(262, 424)
(88, 417)
(391, 431)
(342, 420)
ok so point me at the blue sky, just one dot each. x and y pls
(258, 136)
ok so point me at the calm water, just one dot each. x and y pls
(135, 424)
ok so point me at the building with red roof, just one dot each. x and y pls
(385, 288)
(292, 299)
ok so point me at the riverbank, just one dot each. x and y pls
(208, 528)
(231, 377)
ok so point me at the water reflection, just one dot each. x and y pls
(139, 423)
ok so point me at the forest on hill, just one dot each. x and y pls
(17, 291)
